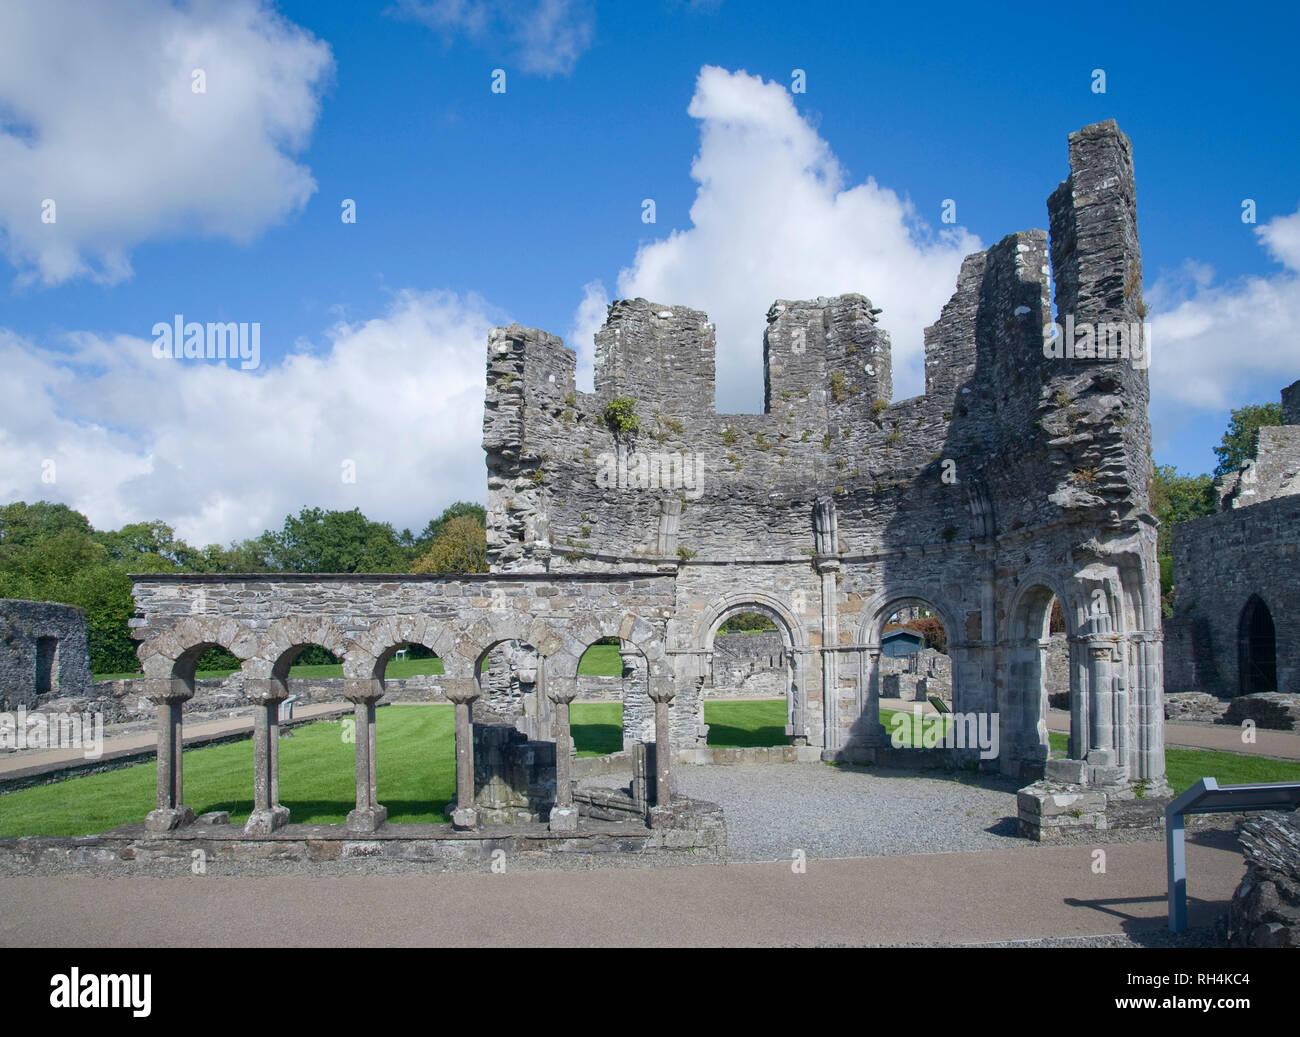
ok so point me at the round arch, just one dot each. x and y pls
(393, 632)
(877, 609)
(176, 652)
(793, 637)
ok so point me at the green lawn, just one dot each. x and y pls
(416, 767)
(1185, 767)
(597, 727)
(742, 725)
(904, 724)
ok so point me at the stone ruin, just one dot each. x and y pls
(1020, 477)
(44, 654)
(1237, 585)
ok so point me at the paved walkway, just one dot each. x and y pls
(1017, 894)
(136, 742)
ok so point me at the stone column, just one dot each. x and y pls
(873, 733)
(1100, 734)
(464, 815)
(368, 815)
(268, 815)
(662, 693)
(564, 817)
(832, 740)
(167, 694)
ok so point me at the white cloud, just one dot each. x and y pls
(223, 454)
(774, 217)
(588, 319)
(98, 113)
(1217, 346)
(546, 37)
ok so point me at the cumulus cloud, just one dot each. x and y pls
(222, 453)
(775, 217)
(546, 37)
(1217, 345)
(125, 148)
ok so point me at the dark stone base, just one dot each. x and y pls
(691, 828)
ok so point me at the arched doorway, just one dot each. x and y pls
(753, 670)
(1256, 648)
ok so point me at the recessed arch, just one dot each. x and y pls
(1256, 648)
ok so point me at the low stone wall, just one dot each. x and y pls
(1267, 709)
(123, 701)
(691, 827)
(1194, 705)
(1265, 910)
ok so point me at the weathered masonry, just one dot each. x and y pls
(43, 651)
(1020, 477)
(1236, 585)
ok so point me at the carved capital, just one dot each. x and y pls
(461, 690)
(662, 689)
(167, 690)
(265, 690)
(362, 690)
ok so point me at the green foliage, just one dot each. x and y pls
(1176, 498)
(1239, 440)
(49, 552)
(320, 541)
(436, 526)
(620, 417)
(460, 548)
(747, 622)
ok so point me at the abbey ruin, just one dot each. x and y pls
(1021, 476)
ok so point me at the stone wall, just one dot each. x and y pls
(1220, 562)
(43, 652)
(1265, 910)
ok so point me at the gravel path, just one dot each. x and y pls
(772, 810)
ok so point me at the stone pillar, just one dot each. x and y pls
(832, 740)
(268, 815)
(1100, 734)
(564, 816)
(368, 815)
(168, 694)
(662, 693)
(464, 815)
(798, 729)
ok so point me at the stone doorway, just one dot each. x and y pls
(1257, 648)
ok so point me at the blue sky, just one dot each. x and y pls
(475, 208)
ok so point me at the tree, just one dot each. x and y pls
(1239, 440)
(436, 526)
(1177, 498)
(320, 541)
(460, 548)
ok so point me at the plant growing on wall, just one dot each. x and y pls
(620, 417)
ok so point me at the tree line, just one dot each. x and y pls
(49, 552)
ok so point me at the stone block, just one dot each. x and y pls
(563, 819)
